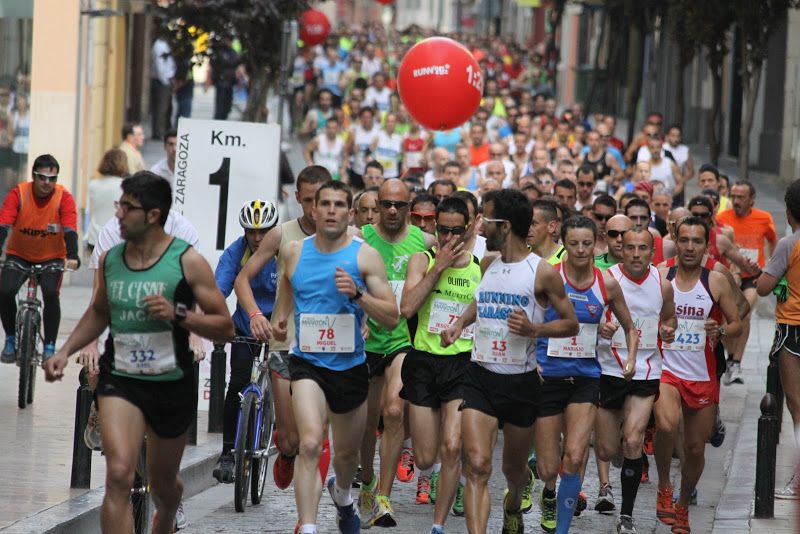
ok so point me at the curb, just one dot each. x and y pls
(82, 513)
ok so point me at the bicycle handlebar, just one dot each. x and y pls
(31, 270)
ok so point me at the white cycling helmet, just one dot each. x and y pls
(258, 215)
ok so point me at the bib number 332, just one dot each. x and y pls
(151, 353)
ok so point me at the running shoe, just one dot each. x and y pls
(9, 354)
(549, 508)
(346, 516)
(225, 466)
(681, 524)
(733, 374)
(356, 479)
(458, 503)
(366, 502)
(692, 501)
(789, 492)
(532, 463)
(719, 433)
(526, 504)
(580, 506)
(437, 530)
(424, 489)
(181, 521)
(434, 486)
(92, 436)
(512, 521)
(405, 467)
(625, 525)
(645, 470)
(605, 500)
(649, 434)
(382, 512)
(665, 508)
(283, 471)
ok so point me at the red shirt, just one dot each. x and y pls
(478, 154)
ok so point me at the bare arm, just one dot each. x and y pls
(667, 318)
(765, 284)
(309, 149)
(678, 177)
(689, 174)
(378, 301)
(730, 251)
(284, 304)
(420, 281)
(549, 287)
(741, 303)
(727, 303)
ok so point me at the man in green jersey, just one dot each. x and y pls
(145, 292)
(441, 283)
(615, 229)
(396, 241)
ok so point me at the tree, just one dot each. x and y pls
(255, 23)
(687, 45)
(756, 22)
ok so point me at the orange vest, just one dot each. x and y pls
(37, 234)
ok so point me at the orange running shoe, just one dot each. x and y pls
(283, 471)
(681, 525)
(405, 467)
(647, 447)
(423, 489)
(665, 509)
(324, 460)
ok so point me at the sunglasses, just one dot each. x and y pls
(46, 177)
(455, 230)
(396, 204)
(613, 234)
(638, 217)
(485, 220)
(423, 216)
(704, 215)
(601, 217)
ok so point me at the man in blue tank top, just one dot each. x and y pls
(334, 280)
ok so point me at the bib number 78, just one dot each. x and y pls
(326, 333)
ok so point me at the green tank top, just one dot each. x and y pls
(451, 295)
(604, 261)
(555, 259)
(395, 257)
(139, 346)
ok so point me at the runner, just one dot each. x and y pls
(782, 274)
(720, 246)
(570, 373)
(689, 384)
(334, 280)
(423, 212)
(501, 384)
(625, 406)
(603, 208)
(155, 397)
(309, 181)
(616, 227)
(396, 241)
(327, 149)
(365, 205)
(441, 283)
(752, 227)
(639, 212)
(359, 142)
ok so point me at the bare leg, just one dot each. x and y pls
(479, 436)
(393, 429)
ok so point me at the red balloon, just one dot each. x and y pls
(314, 27)
(385, 2)
(440, 83)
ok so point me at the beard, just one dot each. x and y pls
(495, 241)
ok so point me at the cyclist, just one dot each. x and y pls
(146, 384)
(256, 217)
(42, 220)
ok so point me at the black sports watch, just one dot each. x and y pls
(180, 312)
(359, 293)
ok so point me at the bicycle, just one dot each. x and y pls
(28, 329)
(254, 429)
(140, 494)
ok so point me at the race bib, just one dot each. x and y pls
(648, 334)
(412, 160)
(581, 346)
(397, 288)
(689, 336)
(498, 345)
(320, 332)
(750, 253)
(148, 353)
(444, 314)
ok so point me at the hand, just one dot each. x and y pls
(666, 333)
(629, 370)
(345, 283)
(279, 330)
(71, 265)
(519, 324)
(712, 328)
(449, 336)
(54, 367)
(159, 307)
(197, 348)
(752, 267)
(446, 255)
(262, 329)
(607, 330)
(89, 357)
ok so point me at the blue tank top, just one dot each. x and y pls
(590, 305)
(447, 140)
(314, 291)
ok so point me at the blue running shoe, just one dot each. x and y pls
(346, 516)
(9, 354)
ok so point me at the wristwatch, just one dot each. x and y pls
(721, 331)
(359, 293)
(180, 312)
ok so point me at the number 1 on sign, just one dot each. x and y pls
(221, 178)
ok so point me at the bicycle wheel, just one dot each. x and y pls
(26, 348)
(261, 461)
(140, 495)
(243, 454)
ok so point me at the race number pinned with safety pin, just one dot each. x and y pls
(327, 332)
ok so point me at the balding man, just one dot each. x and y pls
(499, 152)
(540, 159)
(440, 158)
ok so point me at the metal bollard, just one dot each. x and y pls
(216, 401)
(775, 387)
(81, 454)
(191, 433)
(765, 457)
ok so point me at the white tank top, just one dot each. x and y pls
(329, 153)
(689, 356)
(363, 140)
(504, 288)
(388, 152)
(662, 172)
(644, 301)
